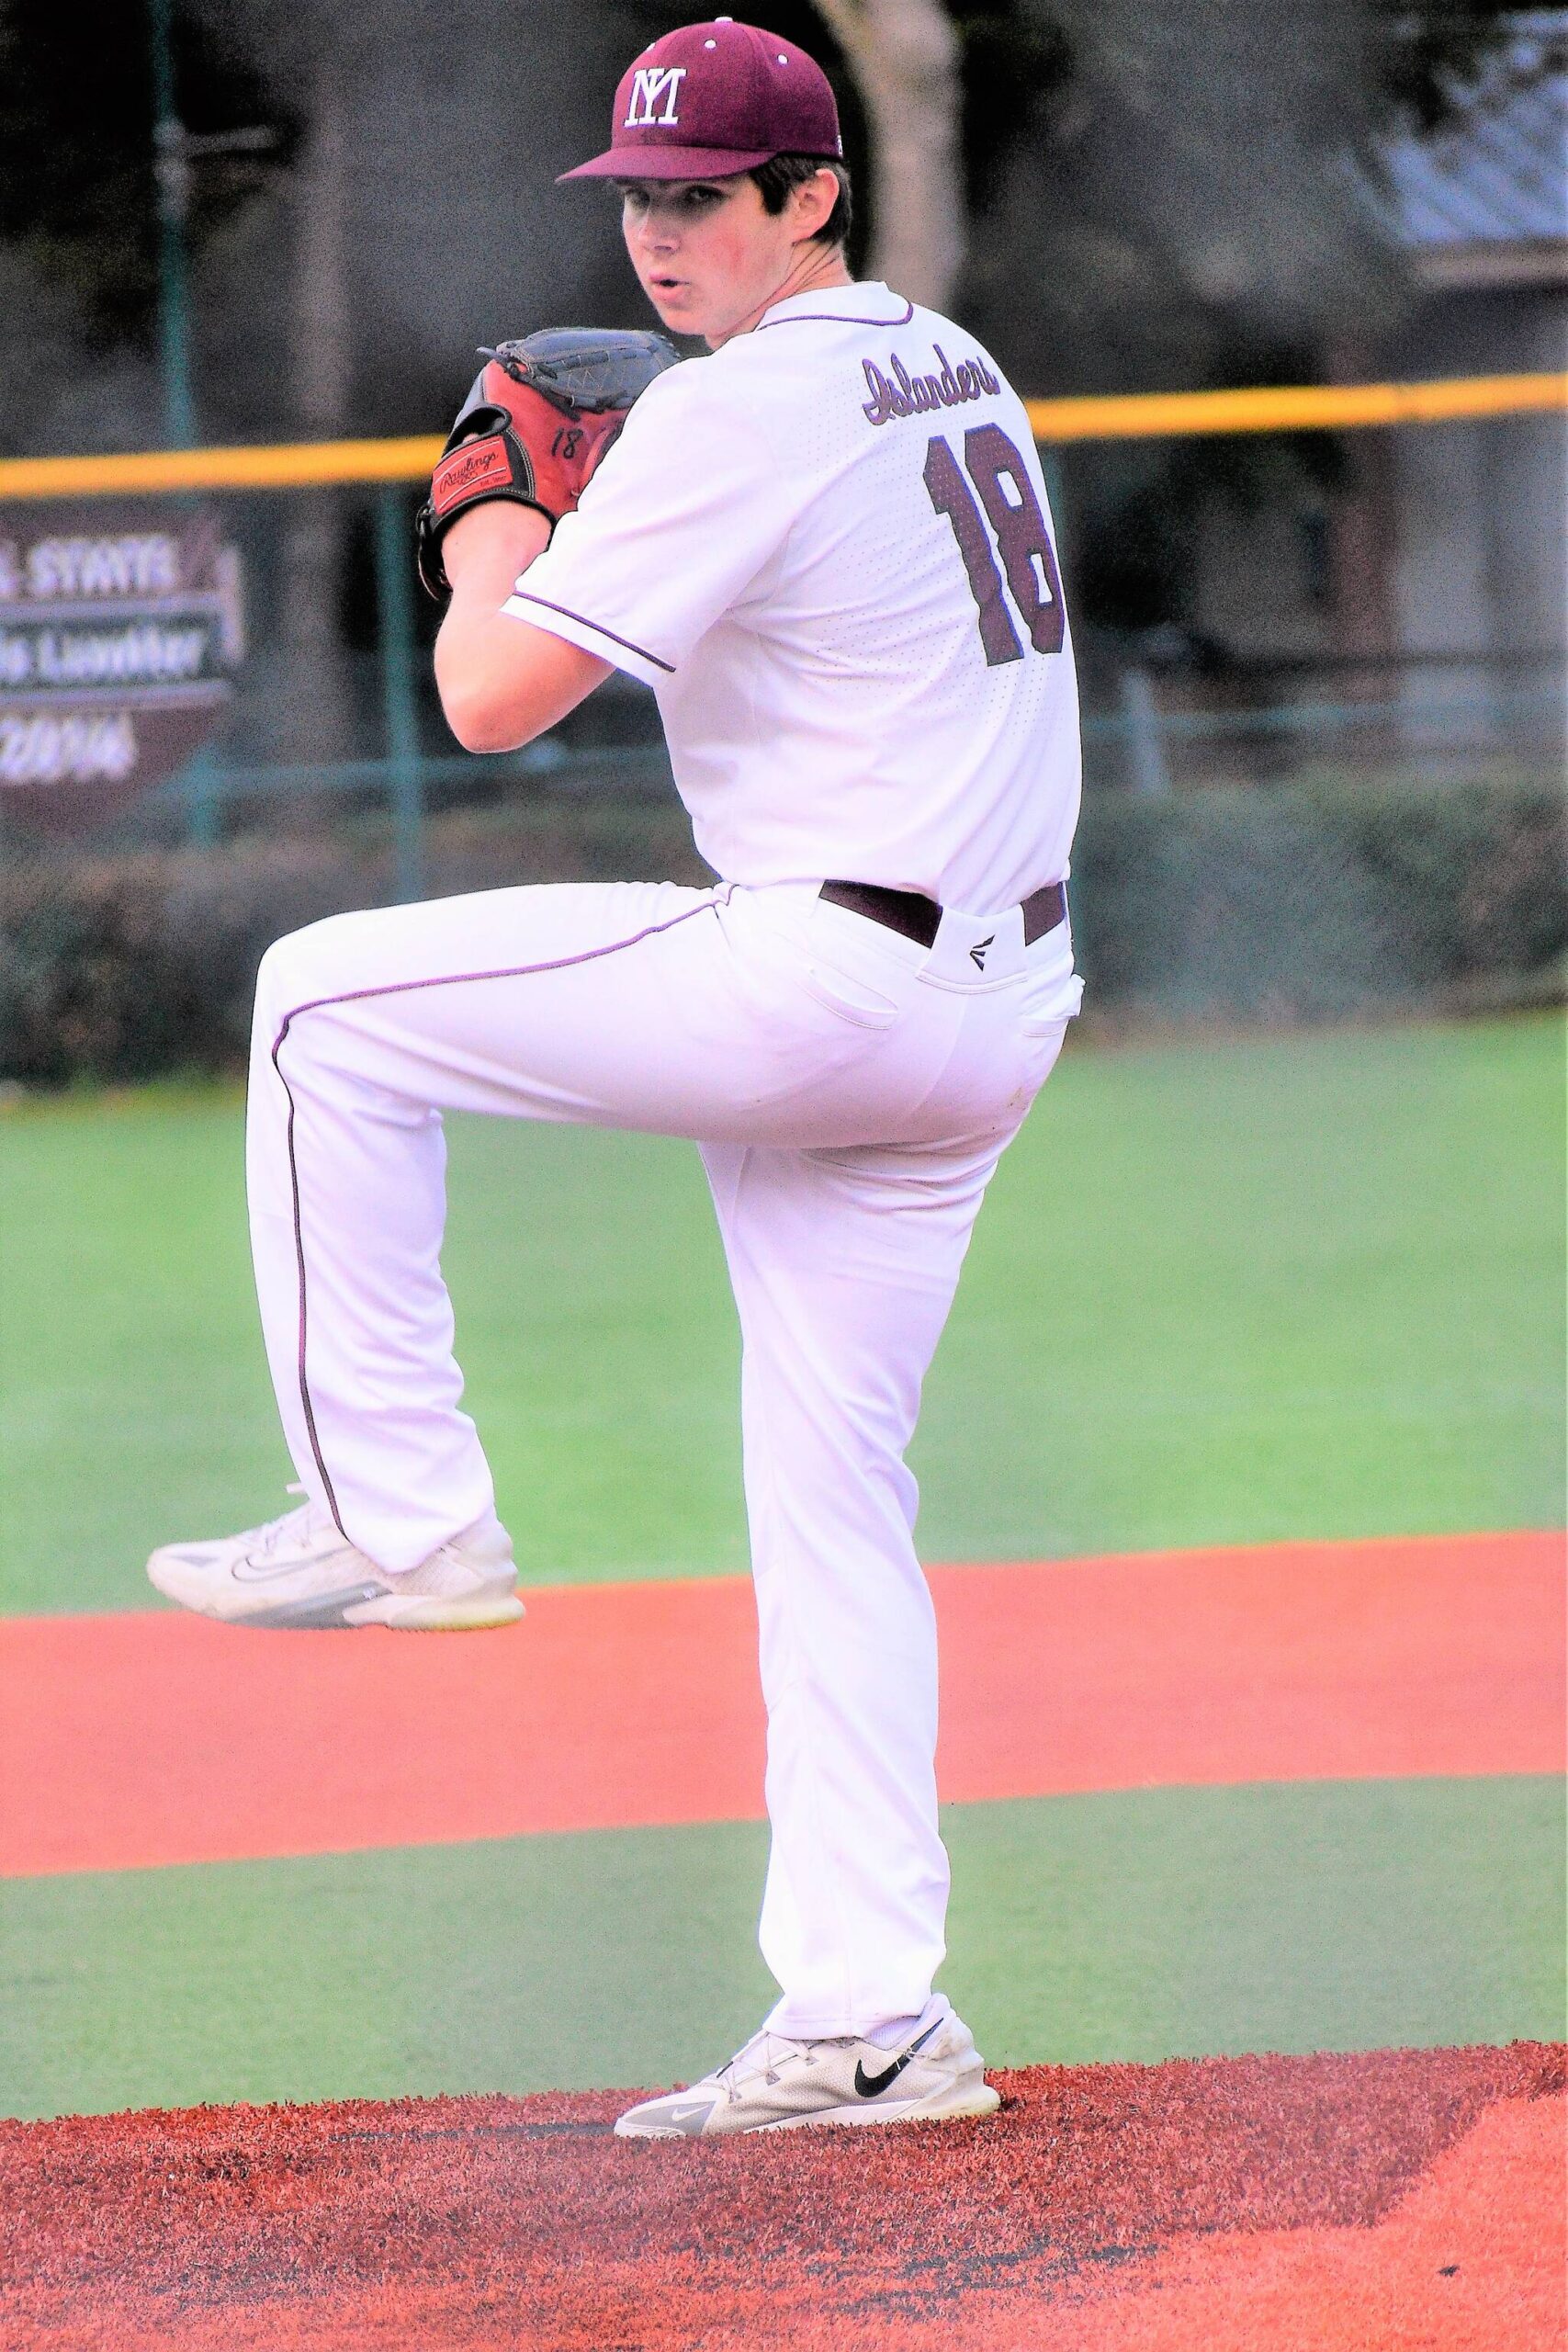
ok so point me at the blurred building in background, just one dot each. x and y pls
(1481, 211)
(1425, 566)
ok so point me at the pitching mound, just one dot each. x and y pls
(1404, 2199)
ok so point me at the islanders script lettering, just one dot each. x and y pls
(902, 394)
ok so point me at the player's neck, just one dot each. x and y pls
(814, 268)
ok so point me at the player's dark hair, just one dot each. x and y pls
(781, 173)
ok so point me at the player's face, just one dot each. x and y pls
(709, 254)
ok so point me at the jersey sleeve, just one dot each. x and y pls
(683, 515)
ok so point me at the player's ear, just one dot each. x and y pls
(814, 201)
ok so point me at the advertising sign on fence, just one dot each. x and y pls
(121, 631)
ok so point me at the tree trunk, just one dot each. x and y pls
(905, 57)
(321, 725)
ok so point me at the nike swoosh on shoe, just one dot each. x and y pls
(870, 2086)
(669, 2119)
(250, 1570)
(682, 2116)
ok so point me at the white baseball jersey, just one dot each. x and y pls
(827, 548)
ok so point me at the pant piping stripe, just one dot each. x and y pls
(403, 988)
(300, 1264)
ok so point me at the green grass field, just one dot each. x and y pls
(1141, 1924)
(1298, 1286)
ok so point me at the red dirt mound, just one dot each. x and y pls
(1472, 2260)
(1088, 2213)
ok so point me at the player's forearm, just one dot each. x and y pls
(502, 682)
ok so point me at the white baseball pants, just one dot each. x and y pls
(850, 1092)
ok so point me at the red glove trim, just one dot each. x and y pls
(483, 469)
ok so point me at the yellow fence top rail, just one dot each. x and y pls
(287, 466)
(1136, 416)
(1296, 407)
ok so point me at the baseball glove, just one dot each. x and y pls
(538, 418)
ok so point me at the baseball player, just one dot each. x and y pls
(826, 546)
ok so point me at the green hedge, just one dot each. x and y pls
(125, 967)
(1288, 904)
(1311, 903)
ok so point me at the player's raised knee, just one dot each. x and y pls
(302, 967)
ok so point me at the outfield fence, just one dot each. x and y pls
(378, 737)
(295, 647)
(1122, 416)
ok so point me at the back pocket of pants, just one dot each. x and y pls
(1047, 1007)
(851, 996)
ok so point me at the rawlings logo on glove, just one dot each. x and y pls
(538, 418)
(478, 465)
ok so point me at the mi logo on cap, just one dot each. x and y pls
(977, 953)
(652, 84)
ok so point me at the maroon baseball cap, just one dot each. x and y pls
(711, 99)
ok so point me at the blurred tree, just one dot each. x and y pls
(1420, 56)
(1016, 59)
(954, 89)
(905, 56)
(1173, 205)
(78, 209)
(322, 342)
(1129, 176)
(78, 197)
(1115, 194)
(1170, 189)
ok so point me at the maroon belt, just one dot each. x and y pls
(917, 917)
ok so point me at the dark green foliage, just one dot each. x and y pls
(1136, 552)
(1289, 904)
(78, 193)
(1166, 197)
(1420, 55)
(136, 966)
(122, 967)
(1303, 903)
(1016, 59)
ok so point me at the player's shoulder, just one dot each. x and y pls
(677, 390)
(687, 416)
(883, 355)
(929, 363)
(860, 353)
(696, 396)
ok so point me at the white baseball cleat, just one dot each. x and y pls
(777, 2084)
(299, 1572)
